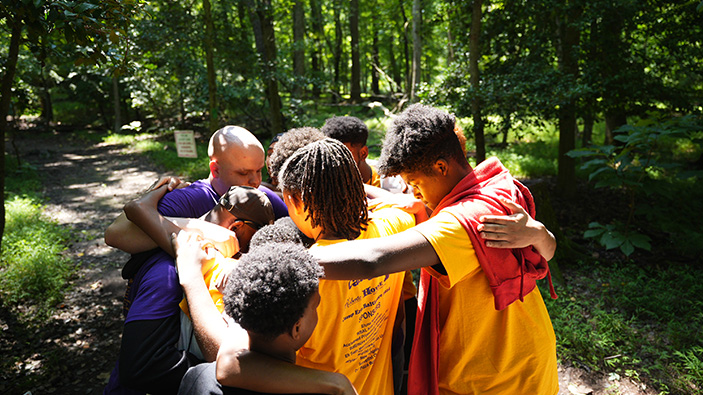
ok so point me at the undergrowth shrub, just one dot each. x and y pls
(32, 269)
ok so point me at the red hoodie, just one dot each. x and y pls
(511, 273)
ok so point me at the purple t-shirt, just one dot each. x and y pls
(190, 202)
(155, 291)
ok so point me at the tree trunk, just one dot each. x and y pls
(209, 42)
(376, 64)
(568, 64)
(5, 97)
(47, 109)
(406, 48)
(614, 118)
(474, 79)
(417, 48)
(587, 136)
(298, 48)
(318, 34)
(355, 86)
(394, 64)
(337, 55)
(116, 102)
(262, 24)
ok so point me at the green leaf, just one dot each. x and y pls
(641, 241)
(593, 233)
(597, 172)
(611, 240)
(627, 248)
(83, 7)
(579, 153)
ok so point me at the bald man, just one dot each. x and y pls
(236, 158)
(151, 359)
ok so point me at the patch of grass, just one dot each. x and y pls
(161, 149)
(629, 319)
(32, 269)
(164, 154)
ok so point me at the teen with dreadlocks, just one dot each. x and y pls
(482, 324)
(325, 196)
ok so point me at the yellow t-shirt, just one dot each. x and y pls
(375, 178)
(353, 335)
(212, 269)
(483, 350)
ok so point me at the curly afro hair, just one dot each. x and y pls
(281, 231)
(270, 289)
(290, 142)
(324, 176)
(416, 139)
(346, 129)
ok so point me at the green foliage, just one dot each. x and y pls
(32, 269)
(643, 165)
(616, 235)
(629, 320)
(691, 363)
(161, 149)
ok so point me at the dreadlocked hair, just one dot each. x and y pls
(324, 176)
(290, 142)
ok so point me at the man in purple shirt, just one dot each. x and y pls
(149, 359)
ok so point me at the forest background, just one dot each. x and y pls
(596, 104)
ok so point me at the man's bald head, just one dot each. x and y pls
(236, 158)
(228, 137)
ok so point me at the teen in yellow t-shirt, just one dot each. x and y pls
(479, 350)
(353, 336)
(474, 347)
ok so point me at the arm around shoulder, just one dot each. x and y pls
(123, 234)
(254, 371)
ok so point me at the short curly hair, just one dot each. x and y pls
(324, 176)
(281, 231)
(416, 139)
(270, 289)
(290, 142)
(346, 129)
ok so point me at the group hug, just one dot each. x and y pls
(301, 284)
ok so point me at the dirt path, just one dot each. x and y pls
(86, 186)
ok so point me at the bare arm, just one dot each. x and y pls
(128, 237)
(254, 371)
(517, 230)
(375, 257)
(208, 324)
(144, 214)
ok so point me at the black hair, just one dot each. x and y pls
(290, 142)
(281, 231)
(346, 129)
(270, 288)
(324, 176)
(417, 138)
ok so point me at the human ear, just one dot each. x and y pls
(292, 201)
(214, 168)
(295, 331)
(364, 152)
(441, 166)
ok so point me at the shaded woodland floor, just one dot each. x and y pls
(86, 185)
